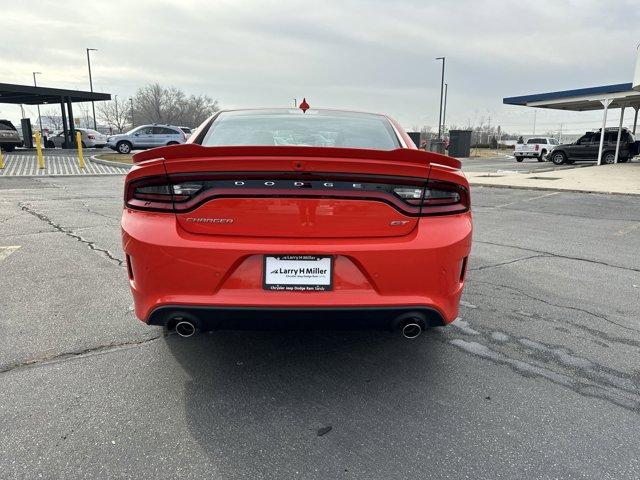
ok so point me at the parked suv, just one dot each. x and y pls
(9, 138)
(586, 148)
(187, 131)
(146, 136)
(536, 147)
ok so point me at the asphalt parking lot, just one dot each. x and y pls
(508, 163)
(539, 377)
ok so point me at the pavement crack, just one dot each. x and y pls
(92, 245)
(621, 397)
(484, 267)
(556, 255)
(568, 307)
(88, 208)
(45, 359)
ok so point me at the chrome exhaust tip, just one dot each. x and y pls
(410, 324)
(411, 330)
(185, 328)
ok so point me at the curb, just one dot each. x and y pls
(109, 163)
(551, 189)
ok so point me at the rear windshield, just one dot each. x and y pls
(5, 125)
(185, 129)
(295, 128)
(536, 140)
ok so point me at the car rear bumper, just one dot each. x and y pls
(174, 270)
(261, 318)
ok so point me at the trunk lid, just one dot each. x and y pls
(297, 191)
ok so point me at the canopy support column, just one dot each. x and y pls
(615, 160)
(72, 127)
(65, 127)
(605, 103)
(635, 120)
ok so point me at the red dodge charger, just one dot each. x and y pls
(290, 217)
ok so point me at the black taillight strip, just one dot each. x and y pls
(372, 187)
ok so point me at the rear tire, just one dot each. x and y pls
(608, 158)
(623, 160)
(558, 158)
(9, 148)
(541, 156)
(50, 144)
(123, 147)
(519, 159)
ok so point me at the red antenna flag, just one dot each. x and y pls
(304, 106)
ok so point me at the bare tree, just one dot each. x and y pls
(52, 120)
(157, 104)
(116, 114)
(85, 120)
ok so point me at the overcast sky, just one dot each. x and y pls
(367, 55)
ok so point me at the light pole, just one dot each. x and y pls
(117, 118)
(35, 84)
(93, 105)
(535, 112)
(441, 96)
(444, 112)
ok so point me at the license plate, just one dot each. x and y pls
(298, 273)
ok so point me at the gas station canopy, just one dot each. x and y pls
(28, 95)
(621, 95)
(582, 99)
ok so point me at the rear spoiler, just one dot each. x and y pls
(192, 150)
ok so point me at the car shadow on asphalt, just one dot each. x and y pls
(258, 397)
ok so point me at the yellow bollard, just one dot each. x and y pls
(79, 144)
(1, 159)
(39, 150)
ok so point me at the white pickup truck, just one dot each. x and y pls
(535, 147)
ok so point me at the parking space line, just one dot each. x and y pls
(628, 229)
(528, 199)
(26, 166)
(6, 251)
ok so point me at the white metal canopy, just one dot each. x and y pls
(602, 98)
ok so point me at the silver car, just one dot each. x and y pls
(90, 139)
(146, 136)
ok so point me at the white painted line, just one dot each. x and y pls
(6, 251)
(628, 229)
(529, 199)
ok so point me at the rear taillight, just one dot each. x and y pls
(537, 147)
(439, 198)
(444, 198)
(184, 193)
(411, 195)
(91, 136)
(149, 194)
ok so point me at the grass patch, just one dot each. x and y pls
(489, 152)
(116, 157)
